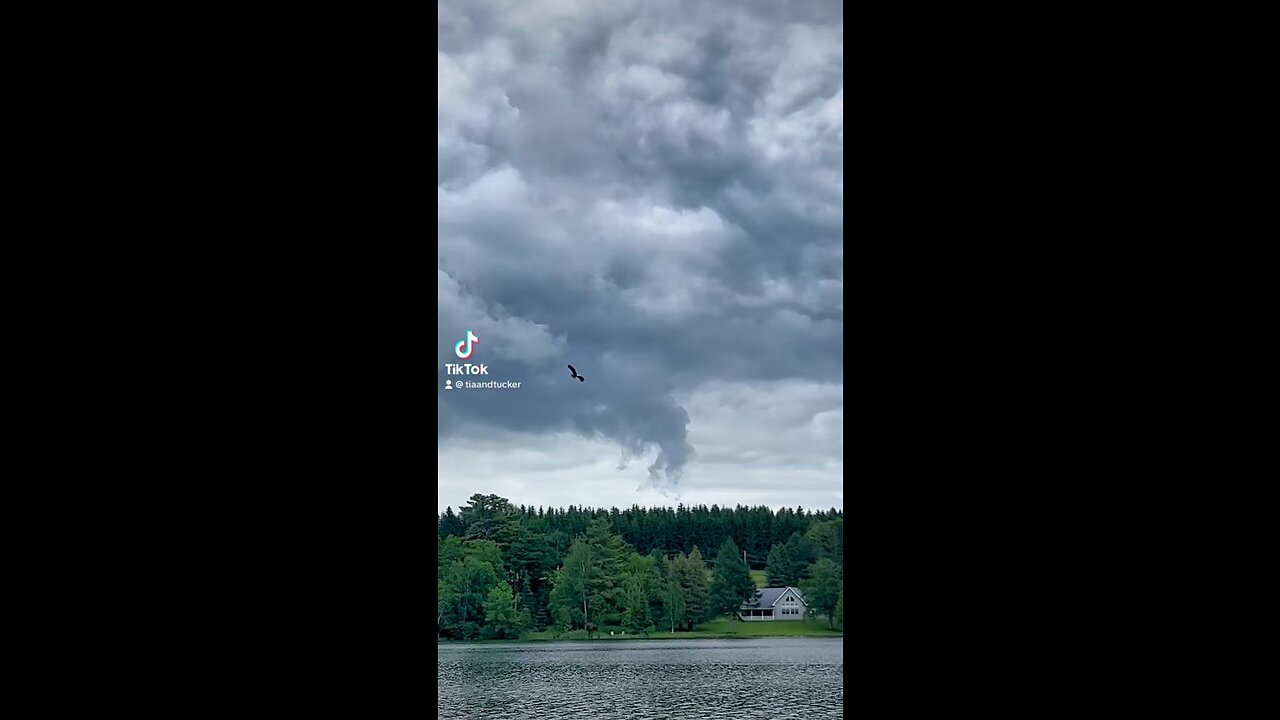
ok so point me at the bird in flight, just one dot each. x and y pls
(575, 374)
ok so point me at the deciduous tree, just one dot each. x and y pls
(503, 617)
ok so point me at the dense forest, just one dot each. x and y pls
(505, 570)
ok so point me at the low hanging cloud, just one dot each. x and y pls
(651, 191)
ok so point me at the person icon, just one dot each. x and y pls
(448, 384)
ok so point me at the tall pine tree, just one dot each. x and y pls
(731, 583)
(695, 585)
(780, 570)
(823, 587)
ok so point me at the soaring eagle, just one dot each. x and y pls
(575, 374)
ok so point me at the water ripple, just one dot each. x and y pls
(640, 680)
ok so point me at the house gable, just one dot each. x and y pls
(791, 592)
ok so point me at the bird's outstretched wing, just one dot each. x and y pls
(575, 372)
(582, 378)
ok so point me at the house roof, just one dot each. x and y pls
(768, 597)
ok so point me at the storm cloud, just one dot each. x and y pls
(652, 191)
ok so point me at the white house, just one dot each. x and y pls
(784, 603)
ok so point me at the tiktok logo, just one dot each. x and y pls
(464, 354)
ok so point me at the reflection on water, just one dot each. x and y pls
(643, 680)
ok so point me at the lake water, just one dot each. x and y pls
(642, 679)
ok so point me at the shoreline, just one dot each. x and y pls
(834, 634)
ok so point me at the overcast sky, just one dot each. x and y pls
(651, 191)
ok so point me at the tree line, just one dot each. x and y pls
(755, 530)
(505, 570)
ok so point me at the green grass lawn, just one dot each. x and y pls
(758, 576)
(721, 628)
(777, 628)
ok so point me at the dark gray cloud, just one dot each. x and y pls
(652, 191)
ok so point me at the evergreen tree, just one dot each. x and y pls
(696, 584)
(611, 554)
(450, 524)
(822, 588)
(731, 583)
(827, 540)
(803, 553)
(488, 517)
(669, 530)
(780, 570)
(529, 561)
